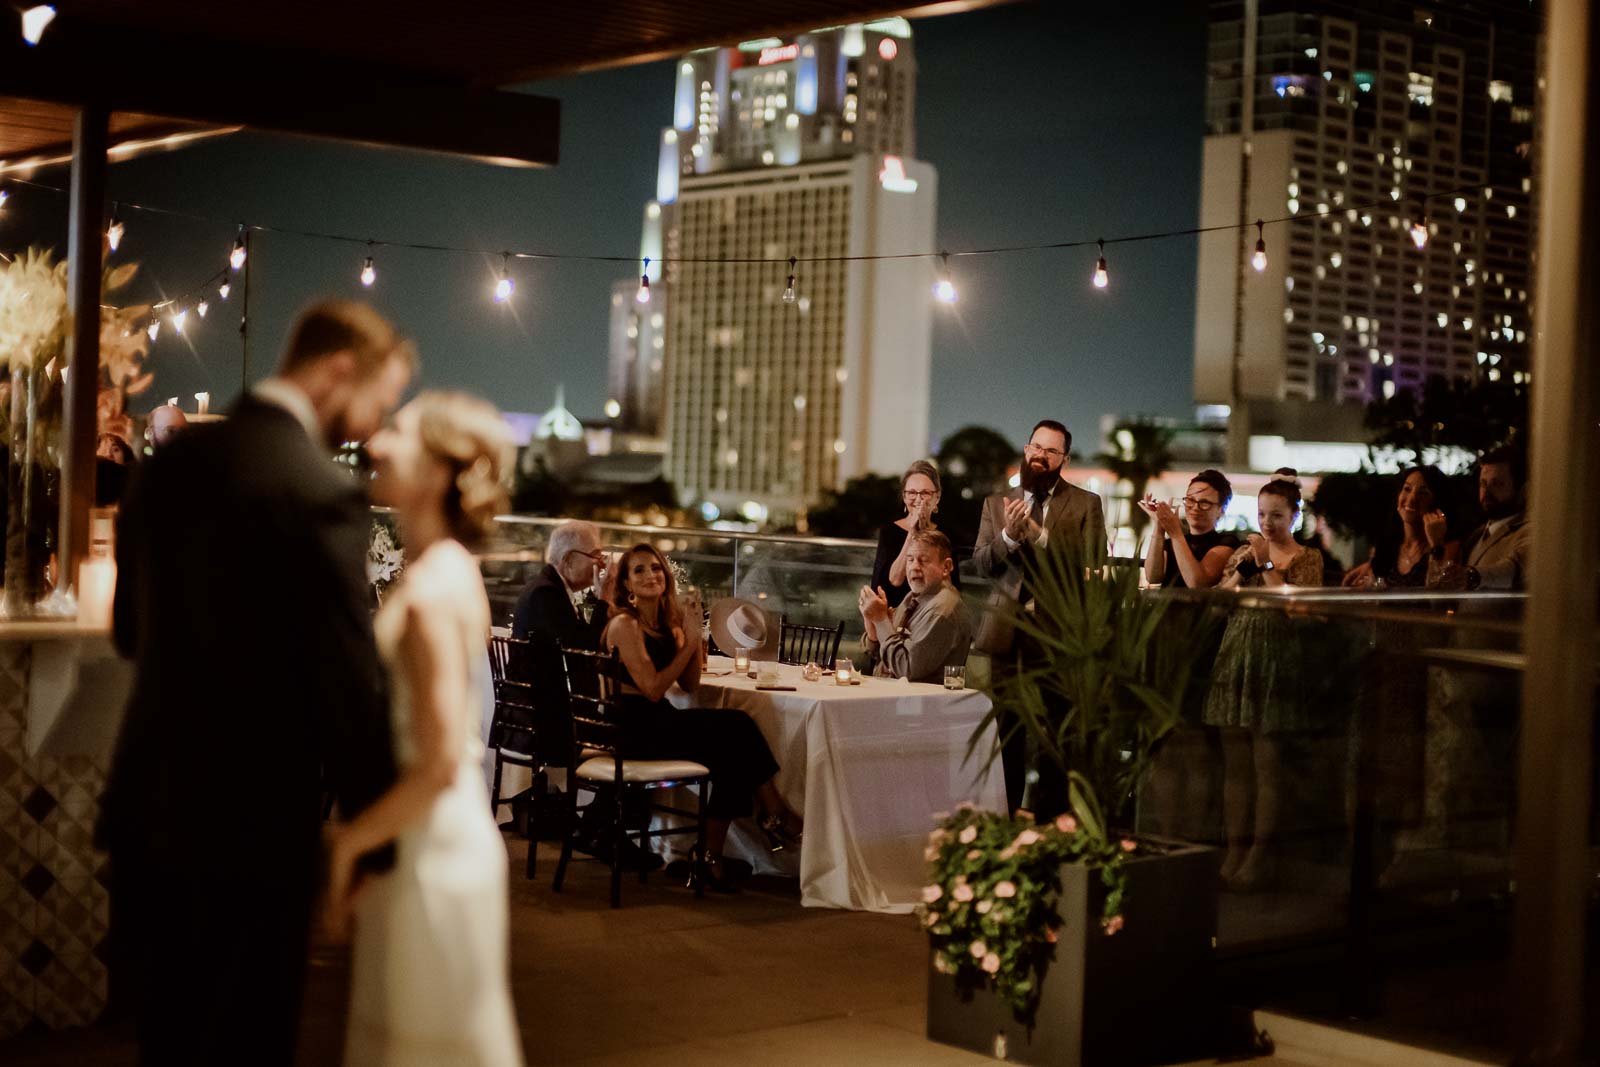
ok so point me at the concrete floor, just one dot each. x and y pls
(752, 977)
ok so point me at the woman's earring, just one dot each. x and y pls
(633, 601)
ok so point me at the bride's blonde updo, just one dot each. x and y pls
(469, 437)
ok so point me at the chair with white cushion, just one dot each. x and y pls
(598, 768)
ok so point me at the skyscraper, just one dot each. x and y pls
(784, 148)
(1397, 141)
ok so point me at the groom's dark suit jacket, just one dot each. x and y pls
(546, 618)
(242, 598)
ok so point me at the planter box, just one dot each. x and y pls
(1142, 996)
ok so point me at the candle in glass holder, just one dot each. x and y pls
(843, 671)
(741, 660)
(202, 403)
(97, 584)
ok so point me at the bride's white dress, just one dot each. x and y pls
(430, 969)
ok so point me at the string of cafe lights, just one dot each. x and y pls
(197, 298)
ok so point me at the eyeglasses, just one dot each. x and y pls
(1194, 504)
(1035, 450)
(919, 494)
(597, 556)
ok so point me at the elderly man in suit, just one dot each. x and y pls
(547, 610)
(1495, 555)
(1044, 514)
(212, 898)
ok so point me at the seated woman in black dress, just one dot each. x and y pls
(1192, 559)
(658, 651)
(919, 490)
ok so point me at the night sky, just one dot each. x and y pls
(1046, 123)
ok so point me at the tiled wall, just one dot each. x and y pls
(53, 899)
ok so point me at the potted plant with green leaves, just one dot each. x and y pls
(1066, 941)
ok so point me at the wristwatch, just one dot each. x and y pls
(1269, 566)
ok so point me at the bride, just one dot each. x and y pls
(430, 963)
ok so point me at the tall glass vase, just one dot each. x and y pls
(30, 520)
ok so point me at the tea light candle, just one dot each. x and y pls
(202, 403)
(741, 660)
(842, 674)
(97, 585)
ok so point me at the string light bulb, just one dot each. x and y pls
(225, 288)
(201, 309)
(643, 295)
(1259, 260)
(115, 231)
(503, 287)
(179, 317)
(154, 329)
(788, 288)
(34, 21)
(236, 258)
(944, 290)
(369, 273)
(1102, 277)
(4, 196)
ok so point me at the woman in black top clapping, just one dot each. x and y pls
(919, 490)
(1193, 559)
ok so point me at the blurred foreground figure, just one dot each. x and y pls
(242, 597)
(431, 981)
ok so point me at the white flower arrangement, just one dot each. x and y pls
(385, 558)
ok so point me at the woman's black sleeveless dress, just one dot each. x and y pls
(725, 740)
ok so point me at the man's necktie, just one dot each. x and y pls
(908, 608)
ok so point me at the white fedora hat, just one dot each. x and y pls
(739, 624)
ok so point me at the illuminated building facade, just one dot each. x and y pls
(784, 147)
(1361, 111)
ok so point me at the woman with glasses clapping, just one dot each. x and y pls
(1194, 559)
(919, 491)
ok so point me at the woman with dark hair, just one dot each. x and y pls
(1420, 529)
(658, 651)
(919, 491)
(1193, 559)
(1257, 690)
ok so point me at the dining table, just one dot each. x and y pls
(872, 767)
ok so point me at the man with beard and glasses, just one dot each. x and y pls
(1046, 514)
(1495, 555)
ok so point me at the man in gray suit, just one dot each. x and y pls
(1045, 514)
(930, 629)
(1495, 555)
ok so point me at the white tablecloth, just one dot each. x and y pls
(871, 768)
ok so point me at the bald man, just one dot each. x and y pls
(165, 422)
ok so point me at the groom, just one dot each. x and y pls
(242, 597)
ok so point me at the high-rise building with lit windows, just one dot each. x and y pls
(784, 147)
(1397, 141)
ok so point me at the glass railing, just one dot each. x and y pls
(1351, 756)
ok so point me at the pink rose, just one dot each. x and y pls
(930, 853)
(1113, 924)
(969, 835)
(931, 893)
(1129, 844)
(1027, 837)
(991, 963)
(1005, 890)
(974, 853)
(932, 919)
(962, 892)
(1066, 824)
(1050, 935)
(984, 906)
(978, 950)
(1007, 852)
(940, 965)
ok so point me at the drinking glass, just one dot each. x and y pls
(955, 677)
(741, 660)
